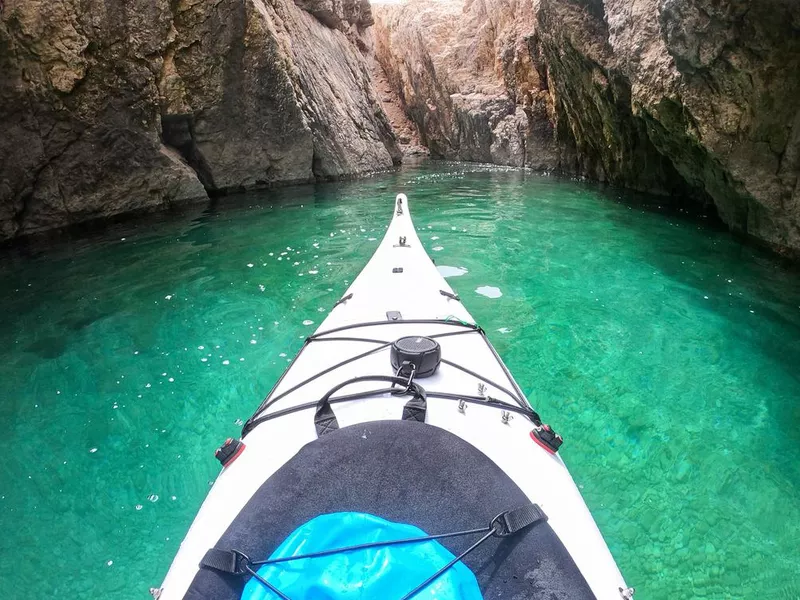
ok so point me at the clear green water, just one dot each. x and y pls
(667, 354)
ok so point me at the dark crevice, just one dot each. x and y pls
(177, 131)
(316, 166)
(595, 8)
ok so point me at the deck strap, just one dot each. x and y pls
(462, 327)
(224, 561)
(234, 562)
(435, 481)
(415, 409)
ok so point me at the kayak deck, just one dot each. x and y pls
(400, 293)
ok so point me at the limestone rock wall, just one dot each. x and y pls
(110, 106)
(592, 101)
(711, 86)
(463, 72)
(697, 99)
(717, 86)
(79, 114)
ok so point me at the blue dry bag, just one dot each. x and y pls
(385, 573)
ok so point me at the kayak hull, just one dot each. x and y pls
(400, 282)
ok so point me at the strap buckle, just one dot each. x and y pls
(226, 561)
(511, 521)
(241, 562)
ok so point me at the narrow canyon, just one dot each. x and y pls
(111, 107)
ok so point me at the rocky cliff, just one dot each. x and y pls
(693, 98)
(109, 106)
(445, 58)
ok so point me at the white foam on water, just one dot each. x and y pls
(437, 248)
(489, 291)
(308, 322)
(446, 271)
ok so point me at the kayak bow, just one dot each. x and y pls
(397, 410)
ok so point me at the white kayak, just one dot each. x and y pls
(397, 407)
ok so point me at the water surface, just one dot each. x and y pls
(665, 353)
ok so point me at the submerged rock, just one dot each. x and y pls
(692, 98)
(109, 107)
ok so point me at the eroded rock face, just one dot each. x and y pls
(591, 100)
(351, 17)
(693, 98)
(464, 75)
(80, 117)
(405, 131)
(718, 91)
(713, 85)
(109, 106)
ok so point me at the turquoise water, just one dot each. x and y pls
(667, 355)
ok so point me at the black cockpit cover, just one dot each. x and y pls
(405, 472)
